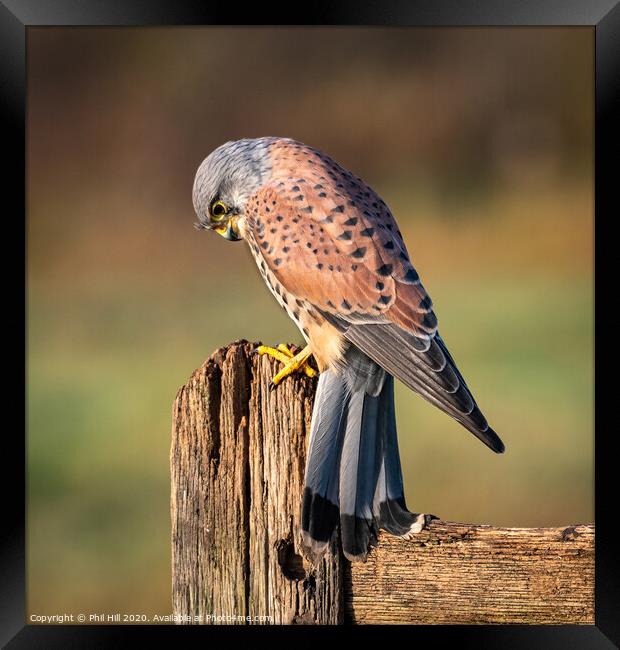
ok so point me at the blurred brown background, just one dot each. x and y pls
(480, 140)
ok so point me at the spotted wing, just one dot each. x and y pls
(333, 243)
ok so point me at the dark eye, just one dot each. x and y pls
(218, 210)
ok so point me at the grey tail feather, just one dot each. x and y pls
(389, 503)
(353, 472)
(320, 511)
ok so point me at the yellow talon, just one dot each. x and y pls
(272, 352)
(292, 362)
(284, 348)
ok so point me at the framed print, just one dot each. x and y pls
(417, 187)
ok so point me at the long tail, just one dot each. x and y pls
(353, 473)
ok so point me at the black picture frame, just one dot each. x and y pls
(16, 16)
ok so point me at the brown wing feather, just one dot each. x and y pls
(331, 241)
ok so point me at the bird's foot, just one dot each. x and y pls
(292, 362)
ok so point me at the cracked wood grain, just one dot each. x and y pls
(456, 573)
(237, 463)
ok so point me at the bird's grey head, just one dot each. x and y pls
(225, 180)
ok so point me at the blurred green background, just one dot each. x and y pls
(480, 140)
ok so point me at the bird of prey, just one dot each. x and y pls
(331, 253)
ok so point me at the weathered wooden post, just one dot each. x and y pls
(237, 463)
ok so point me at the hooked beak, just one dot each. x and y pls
(229, 230)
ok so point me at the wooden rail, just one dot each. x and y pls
(237, 463)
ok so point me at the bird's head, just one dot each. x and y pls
(225, 180)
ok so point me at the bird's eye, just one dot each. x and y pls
(218, 210)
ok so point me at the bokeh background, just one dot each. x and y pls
(480, 140)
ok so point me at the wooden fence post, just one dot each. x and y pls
(237, 464)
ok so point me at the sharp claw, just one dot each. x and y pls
(272, 386)
(293, 360)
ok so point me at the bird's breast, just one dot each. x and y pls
(326, 342)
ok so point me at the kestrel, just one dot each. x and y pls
(331, 253)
